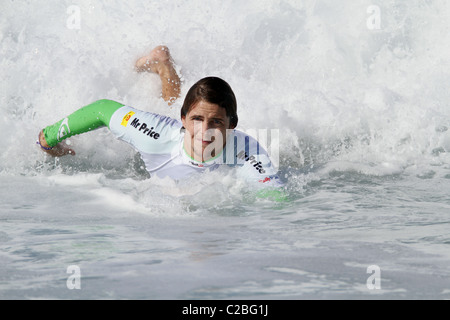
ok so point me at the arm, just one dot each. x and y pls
(88, 118)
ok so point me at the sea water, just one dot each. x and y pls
(357, 91)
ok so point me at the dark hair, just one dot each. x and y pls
(212, 90)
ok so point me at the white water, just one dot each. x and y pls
(363, 116)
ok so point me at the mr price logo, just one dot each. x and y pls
(127, 118)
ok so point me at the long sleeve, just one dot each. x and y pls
(88, 118)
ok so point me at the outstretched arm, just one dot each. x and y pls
(88, 118)
(98, 114)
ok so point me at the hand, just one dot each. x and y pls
(61, 149)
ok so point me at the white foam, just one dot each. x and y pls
(337, 90)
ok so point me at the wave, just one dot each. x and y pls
(339, 90)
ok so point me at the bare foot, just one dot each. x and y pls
(160, 61)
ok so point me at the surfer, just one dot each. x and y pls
(204, 139)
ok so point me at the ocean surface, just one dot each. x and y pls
(357, 90)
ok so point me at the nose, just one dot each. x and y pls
(201, 127)
(207, 128)
(205, 131)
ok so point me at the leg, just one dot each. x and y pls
(160, 61)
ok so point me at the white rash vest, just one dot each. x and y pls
(160, 141)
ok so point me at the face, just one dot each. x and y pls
(206, 127)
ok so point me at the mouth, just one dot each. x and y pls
(204, 142)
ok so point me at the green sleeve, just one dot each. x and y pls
(88, 118)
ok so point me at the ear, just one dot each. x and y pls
(183, 121)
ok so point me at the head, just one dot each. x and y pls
(208, 111)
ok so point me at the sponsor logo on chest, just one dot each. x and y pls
(144, 128)
(127, 118)
(251, 160)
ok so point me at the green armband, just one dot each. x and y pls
(88, 118)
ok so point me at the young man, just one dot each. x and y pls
(204, 139)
